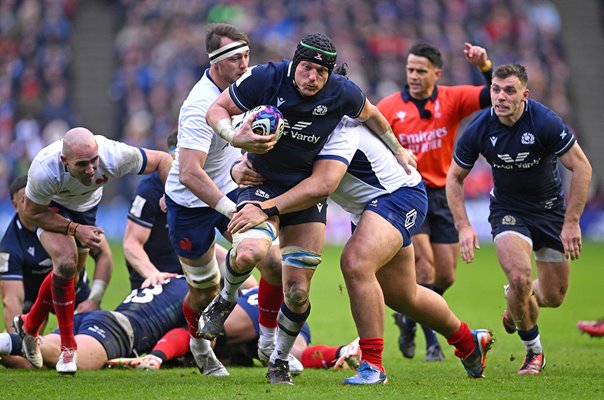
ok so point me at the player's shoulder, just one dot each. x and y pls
(49, 153)
(202, 94)
(541, 114)
(481, 123)
(11, 241)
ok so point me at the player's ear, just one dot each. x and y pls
(438, 72)
(63, 159)
(525, 94)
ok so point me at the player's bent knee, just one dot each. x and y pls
(265, 231)
(66, 267)
(202, 276)
(299, 257)
(296, 297)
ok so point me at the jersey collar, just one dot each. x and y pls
(407, 96)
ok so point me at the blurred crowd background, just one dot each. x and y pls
(159, 55)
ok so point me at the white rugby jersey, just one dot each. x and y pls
(194, 133)
(372, 168)
(48, 179)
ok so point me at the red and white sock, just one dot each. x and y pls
(63, 299)
(42, 306)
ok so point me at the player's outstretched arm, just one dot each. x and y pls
(159, 161)
(13, 296)
(135, 237)
(576, 161)
(468, 239)
(103, 269)
(477, 56)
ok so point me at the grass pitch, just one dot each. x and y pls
(575, 368)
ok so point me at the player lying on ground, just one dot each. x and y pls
(153, 316)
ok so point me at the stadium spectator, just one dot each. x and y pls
(522, 140)
(65, 184)
(312, 100)
(374, 36)
(387, 204)
(425, 118)
(35, 78)
(24, 264)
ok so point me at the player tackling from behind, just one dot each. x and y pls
(523, 140)
(64, 187)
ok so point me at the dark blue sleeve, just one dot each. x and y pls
(11, 258)
(256, 87)
(354, 99)
(467, 148)
(145, 203)
(557, 136)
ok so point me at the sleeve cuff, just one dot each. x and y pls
(144, 165)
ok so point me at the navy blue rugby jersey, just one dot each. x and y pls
(309, 120)
(22, 258)
(145, 212)
(155, 310)
(523, 158)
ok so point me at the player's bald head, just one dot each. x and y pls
(78, 140)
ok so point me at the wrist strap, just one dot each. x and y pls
(270, 212)
(71, 228)
(487, 66)
(231, 171)
(224, 129)
(225, 206)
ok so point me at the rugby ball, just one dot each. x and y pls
(267, 120)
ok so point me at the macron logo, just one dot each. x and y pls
(319, 206)
(280, 100)
(493, 140)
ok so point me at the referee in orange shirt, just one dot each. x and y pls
(425, 118)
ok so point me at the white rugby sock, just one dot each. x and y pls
(534, 345)
(267, 336)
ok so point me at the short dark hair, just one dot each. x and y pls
(215, 32)
(429, 51)
(172, 139)
(507, 70)
(17, 184)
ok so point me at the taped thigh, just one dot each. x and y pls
(202, 276)
(550, 255)
(299, 257)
